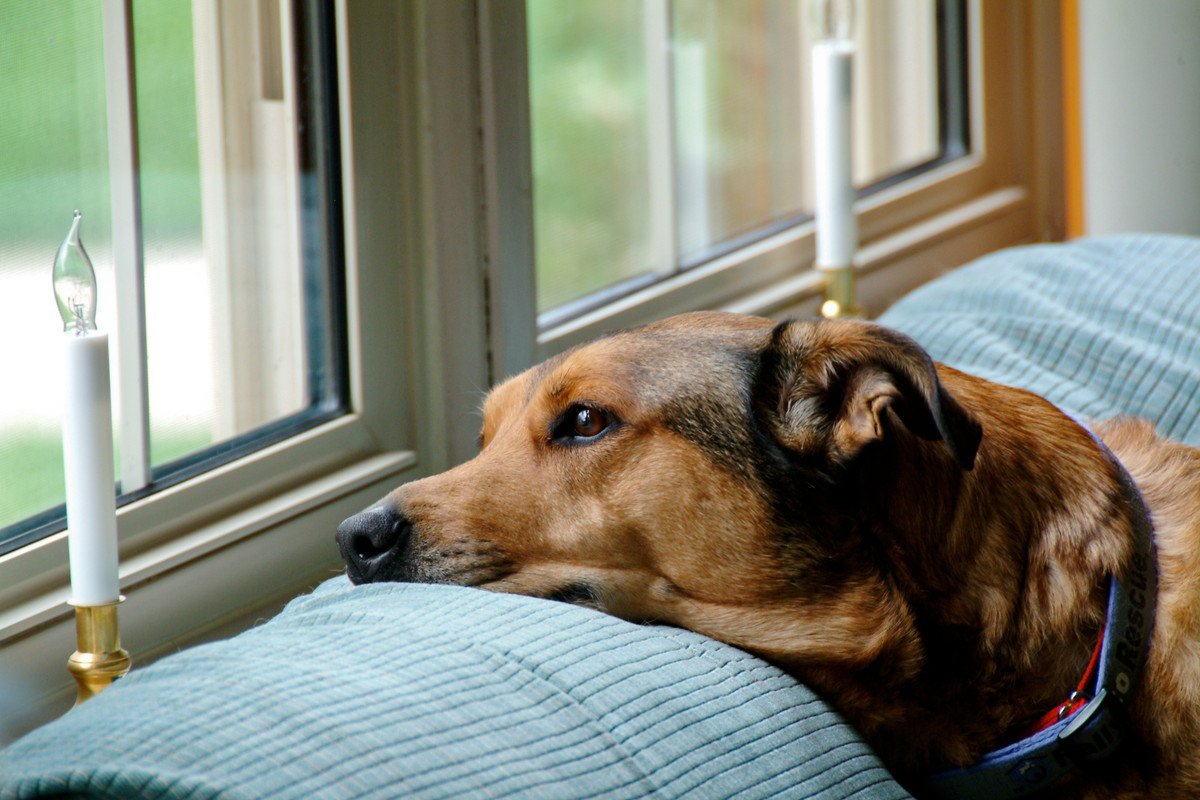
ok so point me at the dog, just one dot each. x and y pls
(928, 550)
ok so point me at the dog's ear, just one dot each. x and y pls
(827, 386)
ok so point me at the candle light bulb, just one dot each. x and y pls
(831, 19)
(75, 283)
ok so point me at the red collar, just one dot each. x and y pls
(1077, 698)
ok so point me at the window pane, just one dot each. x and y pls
(895, 88)
(179, 331)
(54, 159)
(224, 305)
(591, 160)
(726, 85)
(739, 117)
(240, 230)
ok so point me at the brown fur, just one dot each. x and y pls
(799, 491)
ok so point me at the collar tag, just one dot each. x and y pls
(1093, 732)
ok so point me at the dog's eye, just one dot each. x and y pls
(589, 422)
(582, 422)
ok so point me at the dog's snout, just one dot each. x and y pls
(373, 543)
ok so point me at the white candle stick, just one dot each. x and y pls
(87, 430)
(837, 230)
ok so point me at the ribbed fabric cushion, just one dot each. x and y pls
(1100, 327)
(397, 691)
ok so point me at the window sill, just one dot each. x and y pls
(889, 265)
(894, 265)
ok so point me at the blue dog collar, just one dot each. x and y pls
(1095, 731)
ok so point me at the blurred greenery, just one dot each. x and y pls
(168, 149)
(31, 475)
(589, 115)
(592, 121)
(55, 155)
(54, 123)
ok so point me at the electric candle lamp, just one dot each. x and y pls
(88, 466)
(836, 227)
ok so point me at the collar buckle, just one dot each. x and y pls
(1094, 732)
(1073, 702)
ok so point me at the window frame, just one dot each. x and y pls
(662, 57)
(317, 145)
(438, 220)
(985, 199)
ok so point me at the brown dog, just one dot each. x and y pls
(929, 550)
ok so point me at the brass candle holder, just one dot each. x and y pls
(99, 658)
(841, 297)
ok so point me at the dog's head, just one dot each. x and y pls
(709, 471)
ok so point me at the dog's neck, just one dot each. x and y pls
(978, 558)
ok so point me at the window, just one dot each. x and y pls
(667, 133)
(412, 202)
(957, 152)
(299, 403)
(231, 212)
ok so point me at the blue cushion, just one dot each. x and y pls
(393, 690)
(1100, 327)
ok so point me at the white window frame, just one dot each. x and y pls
(440, 304)
(1004, 192)
(246, 107)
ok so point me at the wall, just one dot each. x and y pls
(1140, 85)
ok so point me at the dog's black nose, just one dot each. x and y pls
(373, 543)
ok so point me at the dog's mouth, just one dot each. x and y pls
(461, 563)
(578, 593)
(383, 546)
